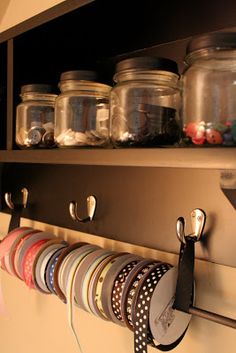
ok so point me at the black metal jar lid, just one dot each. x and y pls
(219, 40)
(148, 63)
(85, 75)
(37, 87)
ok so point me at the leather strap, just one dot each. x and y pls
(184, 286)
(15, 217)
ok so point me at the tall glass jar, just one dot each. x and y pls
(145, 103)
(209, 91)
(82, 110)
(35, 117)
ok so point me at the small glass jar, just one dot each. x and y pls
(209, 91)
(145, 103)
(35, 117)
(82, 110)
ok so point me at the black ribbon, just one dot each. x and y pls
(184, 285)
(15, 217)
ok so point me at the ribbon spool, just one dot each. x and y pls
(130, 286)
(141, 306)
(167, 324)
(50, 267)
(110, 298)
(59, 265)
(65, 270)
(29, 260)
(98, 292)
(28, 242)
(14, 257)
(70, 282)
(7, 243)
(119, 287)
(87, 279)
(94, 295)
(41, 260)
(83, 275)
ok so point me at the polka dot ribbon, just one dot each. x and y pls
(140, 317)
(50, 270)
(131, 293)
(118, 289)
(28, 262)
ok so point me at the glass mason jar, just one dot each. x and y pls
(35, 117)
(145, 103)
(82, 110)
(209, 91)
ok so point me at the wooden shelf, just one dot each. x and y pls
(205, 158)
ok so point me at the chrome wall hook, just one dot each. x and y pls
(91, 207)
(180, 229)
(9, 202)
(198, 220)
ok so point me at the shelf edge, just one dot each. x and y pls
(212, 158)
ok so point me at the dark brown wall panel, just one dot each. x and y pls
(134, 204)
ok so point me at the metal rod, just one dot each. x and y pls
(219, 319)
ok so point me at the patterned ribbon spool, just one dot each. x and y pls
(141, 307)
(6, 243)
(118, 288)
(99, 311)
(94, 294)
(64, 254)
(10, 257)
(28, 262)
(49, 273)
(42, 268)
(130, 286)
(51, 245)
(109, 281)
(27, 243)
(87, 266)
(17, 253)
(87, 278)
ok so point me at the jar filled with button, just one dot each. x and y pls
(145, 103)
(35, 117)
(82, 110)
(209, 91)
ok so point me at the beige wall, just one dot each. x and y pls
(37, 323)
(13, 12)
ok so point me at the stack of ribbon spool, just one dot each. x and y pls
(118, 286)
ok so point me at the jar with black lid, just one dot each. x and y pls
(35, 117)
(209, 91)
(82, 110)
(145, 103)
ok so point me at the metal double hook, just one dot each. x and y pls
(9, 202)
(91, 207)
(198, 220)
